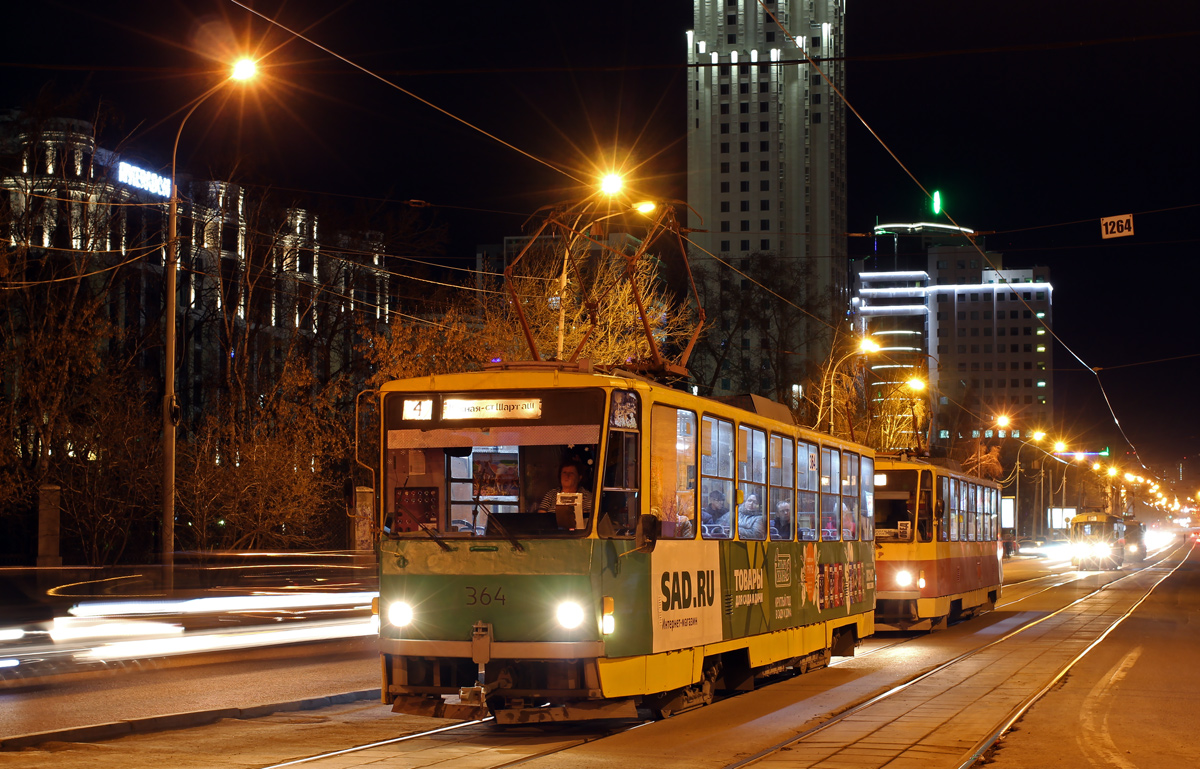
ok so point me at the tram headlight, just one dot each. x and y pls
(569, 614)
(1081, 550)
(903, 578)
(1102, 550)
(1133, 548)
(399, 614)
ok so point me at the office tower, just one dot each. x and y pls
(767, 184)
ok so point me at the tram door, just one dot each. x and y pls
(925, 508)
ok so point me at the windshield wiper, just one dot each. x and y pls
(495, 519)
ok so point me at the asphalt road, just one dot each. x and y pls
(1132, 702)
(1158, 628)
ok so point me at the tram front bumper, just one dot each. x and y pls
(499, 650)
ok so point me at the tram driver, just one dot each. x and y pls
(570, 476)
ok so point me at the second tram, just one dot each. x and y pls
(1097, 541)
(560, 544)
(937, 552)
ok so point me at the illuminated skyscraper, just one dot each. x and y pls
(767, 181)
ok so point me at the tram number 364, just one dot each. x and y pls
(484, 596)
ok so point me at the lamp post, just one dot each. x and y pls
(915, 386)
(866, 345)
(610, 186)
(1037, 436)
(243, 70)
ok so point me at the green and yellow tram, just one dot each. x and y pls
(936, 544)
(563, 544)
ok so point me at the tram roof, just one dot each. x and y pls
(559, 374)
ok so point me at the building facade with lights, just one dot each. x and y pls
(248, 277)
(767, 188)
(974, 331)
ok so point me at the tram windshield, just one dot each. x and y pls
(895, 505)
(492, 464)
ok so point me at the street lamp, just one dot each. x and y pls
(242, 71)
(865, 345)
(915, 385)
(1037, 436)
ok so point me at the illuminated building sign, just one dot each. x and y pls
(143, 179)
(492, 408)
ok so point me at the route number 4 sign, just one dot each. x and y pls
(1116, 226)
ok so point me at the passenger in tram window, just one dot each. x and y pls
(752, 524)
(781, 520)
(570, 475)
(849, 524)
(716, 512)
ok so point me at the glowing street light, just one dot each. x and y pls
(242, 71)
(611, 184)
(1002, 420)
(1060, 447)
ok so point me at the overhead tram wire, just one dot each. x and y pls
(14, 285)
(408, 93)
(974, 244)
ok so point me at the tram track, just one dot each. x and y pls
(496, 740)
(972, 757)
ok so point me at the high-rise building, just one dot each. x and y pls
(973, 330)
(767, 186)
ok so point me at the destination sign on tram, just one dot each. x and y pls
(492, 408)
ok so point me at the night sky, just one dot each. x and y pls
(1034, 120)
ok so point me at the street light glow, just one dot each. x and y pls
(1060, 446)
(1002, 421)
(611, 184)
(244, 69)
(868, 345)
(1038, 435)
(645, 207)
(916, 384)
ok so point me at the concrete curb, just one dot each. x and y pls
(169, 721)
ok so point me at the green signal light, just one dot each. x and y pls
(1105, 452)
(937, 202)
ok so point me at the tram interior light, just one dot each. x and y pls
(400, 614)
(569, 614)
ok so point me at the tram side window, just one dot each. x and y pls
(752, 480)
(867, 510)
(943, 508)
(619, 504)
(970, 517)
(673, 470)
(925, 508)
(807, 486)
(831, 497)
(954, 512)
(781, 478)
(849, 496)
(716, 478)
(993, 514)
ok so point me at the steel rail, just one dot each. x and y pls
(927, 674)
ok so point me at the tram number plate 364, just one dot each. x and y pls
(484, 596)
(1116, 226)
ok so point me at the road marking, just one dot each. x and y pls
(1095, 738)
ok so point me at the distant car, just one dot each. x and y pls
(1057, 547)
(1030, 547)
